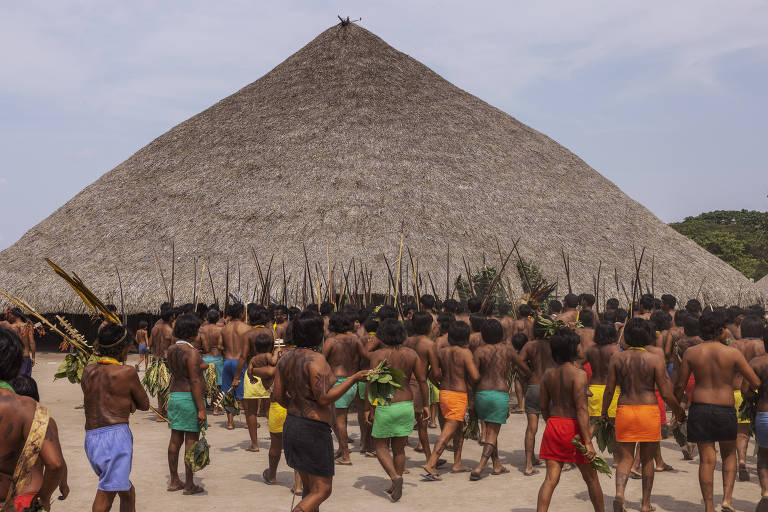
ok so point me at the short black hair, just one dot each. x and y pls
(646, 302)
(143, 324)
(386, 312)
(588, 299)
(680, 315)
(257, 314)
(691, 326)
(166, 311)
(711, 324)
(587, 318)
(108, 340)
(340, 323)
(212, 315)
(621, 315)
(693, 307)
(571, 300)
(371, 324)
(476, 322)
(391, 332)
(752, 327)
(605, 333)
(458, 334)
(734, 312)
(421, 323)
(474, 304)
(451, 306)
(235, 310)
(639, 332)
(669, 300)
(555, 306)
(263, 343)
(564, 345)
(308, 330)
(186, 327)
(12, 351)
(444, 320)
(492, 331)
(504, 308)
(524, 310)
(661, 320)
(519, 340)
(326, 308)
(427, 301)
(612, 303)
(24, 385)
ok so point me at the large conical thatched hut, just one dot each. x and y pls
(762, 285)
(343, 143)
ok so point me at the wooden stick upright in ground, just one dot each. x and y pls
(194, 281)
(497, 278)
(597, 288)
(173, 269)
(415, 281)
(398, 292)
(162, 277)
(210, 279)
(309, 271)
(448, 273)
(394, 285)
(226, 289)
(200, 285)
(524, 270)
(469, 276)
(567, 265)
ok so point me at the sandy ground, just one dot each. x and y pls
(233, 480)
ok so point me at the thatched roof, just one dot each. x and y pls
(342, 143)
(762, 285)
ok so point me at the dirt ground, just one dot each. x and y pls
(233, 480)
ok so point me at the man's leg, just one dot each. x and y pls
(103, 501)
(275, 450)
(530, 442)
(458, 444)
(647, 452)
(728, 457)
(174, 445)
(128, 500)
(762, 474)
(317, 489)
(742, 442)
(589, 475)
(365, 429)
(519, 396)
(189, 486)
(554, 468)
(489, 450)
(393, 463)
(421, 425)
(625, 453)
(341, 433)
(448, 431)
(252, 421)
(707, 461)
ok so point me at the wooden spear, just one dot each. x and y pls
(162, 277)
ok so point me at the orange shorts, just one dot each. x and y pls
(453, 404)
(638, 424)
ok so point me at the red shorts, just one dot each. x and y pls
(23, 501)
(662, 408)
(556, 443)
(689, 387)
(588, 369)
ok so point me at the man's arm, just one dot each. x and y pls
(544, 399)
(682, 377)
(582, 411)
(420, 372)
(196, 383)
(138, 393)
(610, 386)
(518, 362)
(749, 374)
(321, 382)
(32, 344)
(53, 460)
(278, 390)
(435, 373)
(473, 374)
(666, 391)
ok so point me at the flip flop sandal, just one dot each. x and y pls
(474, 477)
(429, 477)
(265, 476)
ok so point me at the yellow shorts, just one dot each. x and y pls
(596, 400)
(276, 418)
(256, 390)
(738, 399)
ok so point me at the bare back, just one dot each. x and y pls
(457, 366)
(232, 336)
(408, 361)
(110, 394)
(210, 336)
(344, 353)
(302, 375)
(564, 388)
(538, 356)
(598, 357)
(493, 362)
(714, 366)
(637, 372)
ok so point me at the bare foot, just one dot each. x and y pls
(194, 489)
(618, 506)
(461, 468)
(499, 471)
(344, 462)
(175, 485)
(252, 449)
(530, 471)
(397, 488)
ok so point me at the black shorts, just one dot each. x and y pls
(308, 446)
(532, 399)
(708, 423)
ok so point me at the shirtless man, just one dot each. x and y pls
(570, 313)
(598, 356)
(712, 416)
(735, 316)
(252, 393)
(476, 322)
(391, 424)
(233, 339)
(751, 346)
(111, 392)
(345, 354)
(537, 355)
(668, 303)
(564, 407)
(161, 335)
(304, 386)
(142, 339)
(638, 372)
(24, 330)
(16, 417)
(523, 324)
(586, 333)
(212, 347)
(457, 369)
(759, 365)
(186, 408)
(493, 360)
(427, 352)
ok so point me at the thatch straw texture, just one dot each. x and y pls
(341, 144)
(762, 285)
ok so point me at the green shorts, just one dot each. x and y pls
(394, 420)
(182, 412)
(347, 398)
(492, 406)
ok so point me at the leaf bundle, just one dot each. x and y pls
(605, 434)
(72, 367)
(598, 462)
(157, 379)
(211, 384)
(199, 454)
(680, 433)
(228, 402)
(383, 382)
(552, 326)
(471, 428)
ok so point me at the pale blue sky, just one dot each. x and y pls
(667, 99)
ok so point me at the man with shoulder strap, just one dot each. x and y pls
(18, 415)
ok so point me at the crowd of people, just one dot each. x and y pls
(575, 367)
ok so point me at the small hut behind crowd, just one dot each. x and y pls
(342, 149)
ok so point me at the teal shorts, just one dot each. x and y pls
(218, 366)
(492, 406)
(395, 420)
(347, 398)
(182, 412)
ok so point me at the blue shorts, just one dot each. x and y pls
(143, 349)
(26, 366)
(110, 452)
(228, 375)
(347, 398)
(761, 429)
